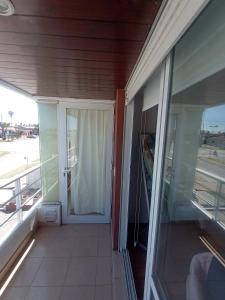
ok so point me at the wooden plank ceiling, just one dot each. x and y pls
(73, 48)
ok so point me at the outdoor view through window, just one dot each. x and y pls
(190, 253)
(19, 158)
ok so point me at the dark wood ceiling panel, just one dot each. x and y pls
(10, 74)
(133, 11)
(64, 62)
(81, 49)
(69, 54)
(76, 43)
(76, 28)
(19, 69)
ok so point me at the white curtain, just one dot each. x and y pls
(86, 138)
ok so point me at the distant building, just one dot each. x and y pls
(28, 130)
(217, 140)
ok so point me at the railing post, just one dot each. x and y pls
(18, 199)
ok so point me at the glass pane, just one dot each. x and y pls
(49, 151)
(141, 174)
(152, 296)
(86, 161)
(190, 249)
(72, 157)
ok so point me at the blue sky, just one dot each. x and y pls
(24, 108)
(214, 116)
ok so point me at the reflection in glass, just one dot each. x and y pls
(209, 186)
(190, 247)
(152, 296)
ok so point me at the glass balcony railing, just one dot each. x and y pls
(209, 195)
(17, 198)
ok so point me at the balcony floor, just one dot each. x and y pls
(70, 262)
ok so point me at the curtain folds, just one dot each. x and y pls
(86, 144)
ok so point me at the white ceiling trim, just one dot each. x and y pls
(43, 99)
(14, 88)
(174, 20)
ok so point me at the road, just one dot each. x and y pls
(212, 160)
(19, 154)
(211, 167)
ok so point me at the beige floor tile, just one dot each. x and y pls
(103, 292)
(85, 230)
(104, 247)
(40, 247)
(78, 293)
(53, 248)
(105, 230)
(61, 248)
(27, 272)
(117, 265)
(104, 271)
(52, 272)
(15, 293)
(55, 232)
(70, 262)
(44, 293)
(119, 289)
(82, 271)
(85, 246)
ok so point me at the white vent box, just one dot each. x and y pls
(50, 213)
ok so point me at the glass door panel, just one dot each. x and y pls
(189, 260)
(86, 161)
(86, 154)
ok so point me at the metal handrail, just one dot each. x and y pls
(24, 189)
(212, 249)
(216, 207)
(25, 173)
(48, 160)
(19, 190)
(211, 175)
(21, 207)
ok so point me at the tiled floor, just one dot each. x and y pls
(71, 262)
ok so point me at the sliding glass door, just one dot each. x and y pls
(86, 151)
(189, 255)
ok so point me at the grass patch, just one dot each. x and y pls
(19, 170)
(3, 153)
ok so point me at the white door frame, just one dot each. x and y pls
(127, 148)
(62, 144)
(127, 156)
(176, 17)
(160, 133)
(157, 177)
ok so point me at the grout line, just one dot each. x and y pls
(41, 261)
(96, 268)
(69, 259)
(64, 280)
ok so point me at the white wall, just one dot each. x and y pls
(152, 90)
(9, 246)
